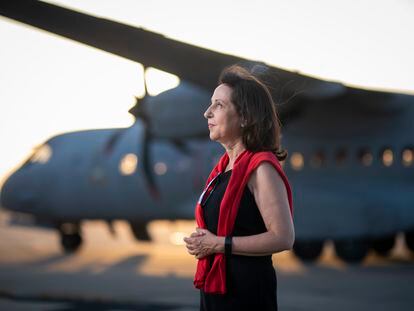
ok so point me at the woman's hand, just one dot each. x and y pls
(202, 243)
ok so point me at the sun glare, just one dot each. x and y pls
(159, 81)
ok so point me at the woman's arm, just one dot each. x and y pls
(270, 195)
(271, 198)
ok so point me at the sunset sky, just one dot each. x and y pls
(51, 85)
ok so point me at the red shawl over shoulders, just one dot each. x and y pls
(214, 280)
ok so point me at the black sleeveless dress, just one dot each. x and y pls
(251, 280)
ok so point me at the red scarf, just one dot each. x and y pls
(213, 280)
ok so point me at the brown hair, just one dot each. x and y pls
(261, 129)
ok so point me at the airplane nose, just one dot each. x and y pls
(15, 196)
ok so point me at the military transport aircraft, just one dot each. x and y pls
(351, 151)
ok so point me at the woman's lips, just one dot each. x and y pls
(210, 125)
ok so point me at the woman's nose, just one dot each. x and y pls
(207, 113)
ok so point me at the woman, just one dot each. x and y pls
(245, 212)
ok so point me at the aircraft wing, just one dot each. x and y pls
(191, 63)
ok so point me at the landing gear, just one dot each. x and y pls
(383, 245)
(351, 250)
(308, 250)
(140, 231)
(70, 237)
(409, 239)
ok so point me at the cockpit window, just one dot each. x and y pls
(41, 154)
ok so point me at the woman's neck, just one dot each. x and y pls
(233, 151)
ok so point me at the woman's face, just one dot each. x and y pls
(223, 119)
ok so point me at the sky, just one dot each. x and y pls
(50, 85)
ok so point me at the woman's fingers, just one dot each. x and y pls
(190, 247)
(202, 231)
(190, 240)
(194, 245)
(194, 240)
(197, 234)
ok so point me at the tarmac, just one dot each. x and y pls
(119, 273)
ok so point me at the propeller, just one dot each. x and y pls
(140, 113)
(138, 110)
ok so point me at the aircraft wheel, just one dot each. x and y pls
(70, 237)
(140, 231)
(383, 245)
(70, 242)
(409, 239)
(351, 250)
(308, 250)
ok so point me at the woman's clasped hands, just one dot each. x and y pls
(201, 243)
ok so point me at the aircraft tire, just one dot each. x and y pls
(140, 231)
(70, 242)
(308, 250)
(383, 245)
(409, 240)
(351, 250)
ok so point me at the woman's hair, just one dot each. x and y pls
(261, 129)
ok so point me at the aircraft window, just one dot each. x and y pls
(42, 154)
(387, 157)
(365, 157)
(160, 168)
(408, 156)
(318, 159)
(340, 156)
(296, 161)
(128, 164)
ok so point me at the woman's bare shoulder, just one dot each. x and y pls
(265, 175)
